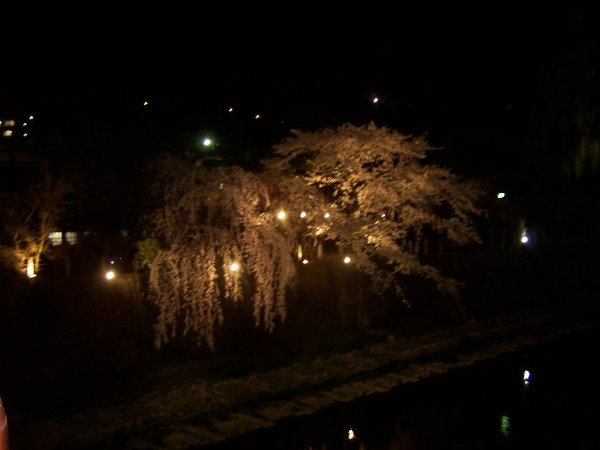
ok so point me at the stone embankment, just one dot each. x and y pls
(203, 413)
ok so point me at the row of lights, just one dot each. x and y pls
(235, 267)
(281, 215)
(9, 124)
(229, 110)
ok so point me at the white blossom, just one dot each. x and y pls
(383, 195)
(210, 217)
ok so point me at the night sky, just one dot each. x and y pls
(436, 69)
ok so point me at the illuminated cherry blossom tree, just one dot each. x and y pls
(219, 241)
(369, 190)
(372, 192)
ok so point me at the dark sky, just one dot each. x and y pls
(298, 64)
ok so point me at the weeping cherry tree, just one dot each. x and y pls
(219, 240)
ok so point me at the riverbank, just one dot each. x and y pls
(209, 412)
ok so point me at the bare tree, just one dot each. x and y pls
(371, 191)
(29, 217)
(219, 241)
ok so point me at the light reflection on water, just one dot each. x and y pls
(544, 398)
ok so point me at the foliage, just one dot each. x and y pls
(210, 217)
(147, 250)
(381, 197)
(30, 216)
(566, 111)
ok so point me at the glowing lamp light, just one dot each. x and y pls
(351, 435)
(347, 260)
(234, 267)
(109, 275)
(305, 261)
(524, 239)
(30, 268)
(526, 376)
(501, 195)
(303, 214)
(145, 103)
(206, 142)
(327, 215)
(281, 215)
(375, 99)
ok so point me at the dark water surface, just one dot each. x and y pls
(488, 406)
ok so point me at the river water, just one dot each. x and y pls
(547, 397)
